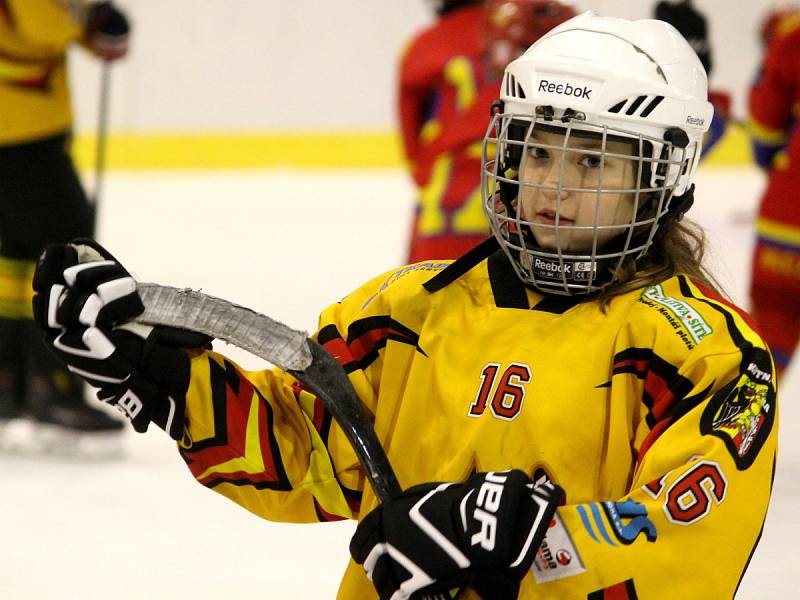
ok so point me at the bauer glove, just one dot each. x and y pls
(84, 301)
(107, 30)
(483, 533)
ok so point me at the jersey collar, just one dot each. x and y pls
(507, 288)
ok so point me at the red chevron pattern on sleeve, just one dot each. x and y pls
(244, 450)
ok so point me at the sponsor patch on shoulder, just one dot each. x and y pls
(741, 414)
(687, 321)
(557, 557)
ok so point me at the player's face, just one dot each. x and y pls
(576, 167)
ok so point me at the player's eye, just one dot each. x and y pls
(591, 161)
(537, 153)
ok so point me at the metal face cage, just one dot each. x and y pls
(572, 167)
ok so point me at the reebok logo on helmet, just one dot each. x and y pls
(565, 89)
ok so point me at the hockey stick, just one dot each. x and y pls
(102, 133)
(287, 348)
(101, 141)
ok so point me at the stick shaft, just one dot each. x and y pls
(102, 131)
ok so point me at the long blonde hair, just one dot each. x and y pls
(679, 250)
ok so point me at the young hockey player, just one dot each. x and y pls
(602, 423)
(42, 406)
(449, 77)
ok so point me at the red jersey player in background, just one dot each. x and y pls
(449, 77)
(771, 24)
(775, 284)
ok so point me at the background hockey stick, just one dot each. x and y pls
(287, 348)
(101, 142)
(102, 133)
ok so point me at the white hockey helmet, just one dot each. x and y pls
(613, 79)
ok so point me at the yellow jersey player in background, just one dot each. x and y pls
(572, 409)
(42, 405)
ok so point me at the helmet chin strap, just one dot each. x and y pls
(678, 206)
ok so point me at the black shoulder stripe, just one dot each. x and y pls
(736, 335)
(461, 265)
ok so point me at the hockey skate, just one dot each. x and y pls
(48, 414)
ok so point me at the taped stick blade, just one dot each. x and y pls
(251, 331)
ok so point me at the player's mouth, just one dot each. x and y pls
(547, 216)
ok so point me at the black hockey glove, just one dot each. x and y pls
(107, 30)
(145, 374)
(82, 284)
(483, 534)
(84, 301)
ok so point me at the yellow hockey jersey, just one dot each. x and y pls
(34, 93)
(658, 417)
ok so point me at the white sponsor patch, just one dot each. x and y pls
(693, 321)
(557, 557)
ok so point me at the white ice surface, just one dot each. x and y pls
(287, 244)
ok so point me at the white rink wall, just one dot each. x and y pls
(239, 65)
